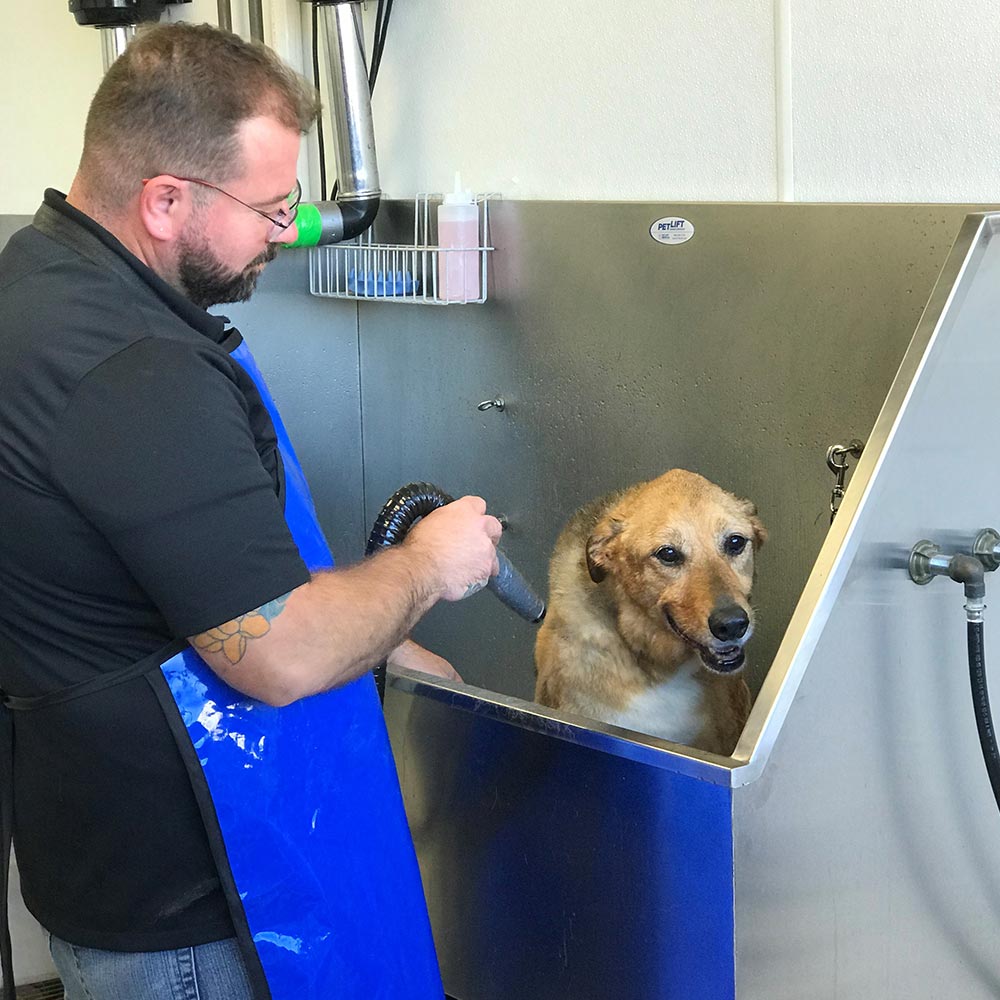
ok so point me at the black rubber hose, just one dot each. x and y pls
(416, 500)
(398, 513)
(981, 705)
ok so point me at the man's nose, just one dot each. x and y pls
(289, 235)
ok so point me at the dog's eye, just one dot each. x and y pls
(669, 555)
(734, 544)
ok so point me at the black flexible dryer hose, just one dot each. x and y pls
(981, 705)
(416, 500)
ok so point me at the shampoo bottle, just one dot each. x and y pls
(458, 238)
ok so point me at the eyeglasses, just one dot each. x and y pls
(282, 219)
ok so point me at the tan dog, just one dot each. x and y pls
(649, 611)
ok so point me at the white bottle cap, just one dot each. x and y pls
(458, 196)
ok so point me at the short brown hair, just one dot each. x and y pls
(173, 103)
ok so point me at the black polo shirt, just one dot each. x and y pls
(139, 481)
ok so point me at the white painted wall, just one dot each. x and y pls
(902, 104)
(679, 100)
(49, 69)
(580, 99)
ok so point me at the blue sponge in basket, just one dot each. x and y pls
(382, 285)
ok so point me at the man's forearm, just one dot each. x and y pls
(341, 623)
(377, 603)
(323, 634)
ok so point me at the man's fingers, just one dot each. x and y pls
(493, 528)
(477, 504)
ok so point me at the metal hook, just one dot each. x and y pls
(836, 454)
(836, 459)
(492, 404)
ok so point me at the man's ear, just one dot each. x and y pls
(165, 205)
(599, 546)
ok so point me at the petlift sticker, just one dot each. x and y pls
(671, 230)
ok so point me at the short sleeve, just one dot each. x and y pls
(156, 450)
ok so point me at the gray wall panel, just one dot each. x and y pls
(742, 354)
(10, 224)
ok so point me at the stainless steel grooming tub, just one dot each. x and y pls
(847, 849)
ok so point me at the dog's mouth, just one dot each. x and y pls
(726, 660)
(719, 659)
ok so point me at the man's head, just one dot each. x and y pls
(190, 155)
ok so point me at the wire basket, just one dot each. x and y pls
(421, 272)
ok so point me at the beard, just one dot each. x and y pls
(208, 282)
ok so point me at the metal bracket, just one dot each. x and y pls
(920, 561)
(985, 547)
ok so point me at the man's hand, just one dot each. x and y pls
(413, 656)
(458, 543)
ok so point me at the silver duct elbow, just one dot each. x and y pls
(351, 112)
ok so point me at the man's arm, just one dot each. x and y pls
(343, 622)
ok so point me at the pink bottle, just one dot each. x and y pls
(458, 230)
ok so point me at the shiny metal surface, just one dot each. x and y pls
(865, 846)
(350, 103)
(555, 871)
(255, 19)
(742, 354)
(114, 42)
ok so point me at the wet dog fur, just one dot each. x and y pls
(649, 612)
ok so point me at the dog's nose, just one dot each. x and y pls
(729, 623)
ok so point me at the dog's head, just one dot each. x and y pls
(681, 550)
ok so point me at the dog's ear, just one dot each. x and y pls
(597, 546)
(759, 531)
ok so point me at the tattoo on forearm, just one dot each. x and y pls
(231, 638)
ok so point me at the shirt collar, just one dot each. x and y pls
(213, 327)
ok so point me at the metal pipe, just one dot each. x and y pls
(350, 104)
(255, 12)
(226, 15)
(113, 42)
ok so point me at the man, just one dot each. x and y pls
(163, 823)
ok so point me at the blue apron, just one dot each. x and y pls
(305, 803)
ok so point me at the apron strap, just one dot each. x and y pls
(10, 704)
(95, 684)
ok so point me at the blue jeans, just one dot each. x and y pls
(212, 971)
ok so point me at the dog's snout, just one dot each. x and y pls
(728, 623)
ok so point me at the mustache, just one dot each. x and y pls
(266, 257)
